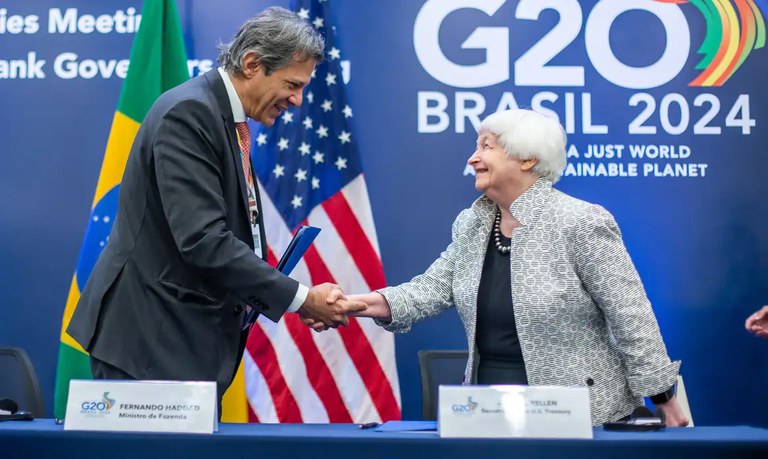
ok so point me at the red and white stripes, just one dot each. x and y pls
(344, 375)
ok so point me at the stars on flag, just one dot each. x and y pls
(309, 154)
(102, 224)
(279, 171)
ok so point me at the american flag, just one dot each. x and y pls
(309, 172)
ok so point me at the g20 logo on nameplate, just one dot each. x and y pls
(464, 408)
(97, 408)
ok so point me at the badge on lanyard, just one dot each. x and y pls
(256, 234)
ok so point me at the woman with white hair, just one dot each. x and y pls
(542, 282)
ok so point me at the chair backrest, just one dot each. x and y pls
(436, 368)
(18, 381)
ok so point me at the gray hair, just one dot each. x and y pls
(526, 134)
(277, 36)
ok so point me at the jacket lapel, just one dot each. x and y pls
(220, 93)
(484, 210)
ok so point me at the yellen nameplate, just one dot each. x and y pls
(514, 411)
(142, 406)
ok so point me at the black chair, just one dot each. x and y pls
(436, 368)
(18, 381)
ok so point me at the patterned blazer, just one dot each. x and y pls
(582, 315)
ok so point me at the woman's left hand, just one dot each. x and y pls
(673, 414)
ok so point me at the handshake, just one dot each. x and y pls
(327, 307)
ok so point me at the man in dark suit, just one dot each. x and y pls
(184, 266)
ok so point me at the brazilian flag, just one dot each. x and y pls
(158, 62)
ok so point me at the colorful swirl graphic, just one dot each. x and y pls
(110, 402)
(732, 33)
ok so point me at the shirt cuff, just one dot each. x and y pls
(299, 299)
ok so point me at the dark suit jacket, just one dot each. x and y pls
(166, 297)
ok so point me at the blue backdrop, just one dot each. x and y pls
(625, 77)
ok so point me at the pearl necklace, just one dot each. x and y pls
(503, 249)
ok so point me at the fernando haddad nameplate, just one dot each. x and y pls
(142, 406)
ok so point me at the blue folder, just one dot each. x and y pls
(298, 246)
(408, 426)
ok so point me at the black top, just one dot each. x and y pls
(496, 333)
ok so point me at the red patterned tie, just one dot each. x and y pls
(244, 139)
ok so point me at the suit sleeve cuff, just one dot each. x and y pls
(299, 299)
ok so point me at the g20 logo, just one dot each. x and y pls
(732, 33)
(467, 408)
(105, 404)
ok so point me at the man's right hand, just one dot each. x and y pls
(378, 308)
(331, 314)
(757, 323)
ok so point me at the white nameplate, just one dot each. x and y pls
(142, 406)
(514, 411)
